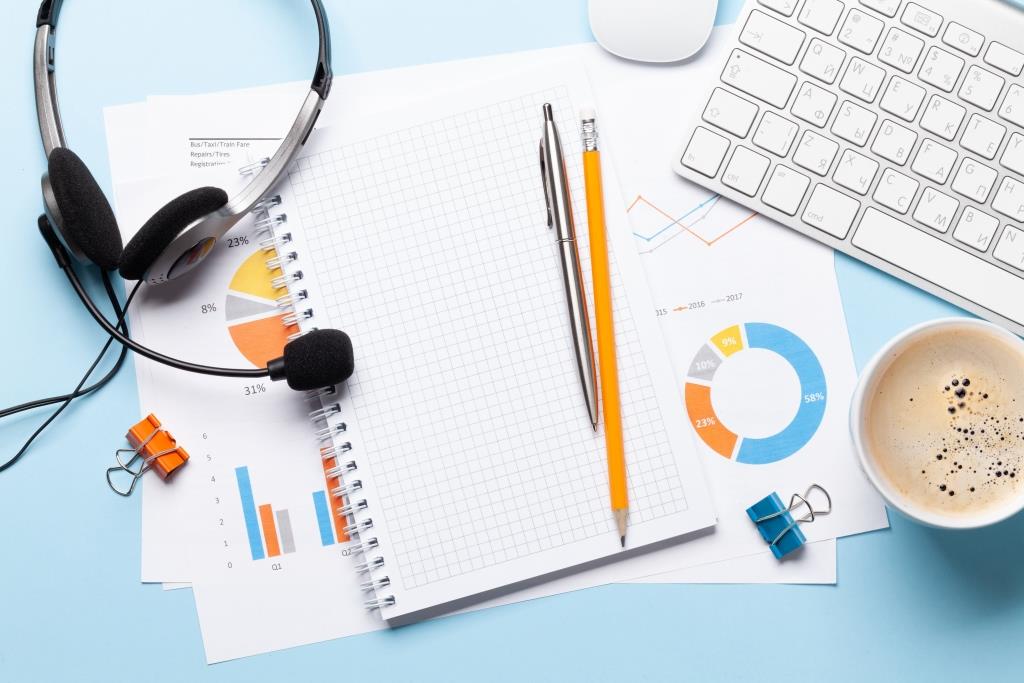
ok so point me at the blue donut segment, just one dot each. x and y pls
(813, 394)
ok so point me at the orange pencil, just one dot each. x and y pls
(605, 326)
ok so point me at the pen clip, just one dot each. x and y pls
(546, 180)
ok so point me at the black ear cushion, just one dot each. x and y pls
(160, 230)
(86, 218)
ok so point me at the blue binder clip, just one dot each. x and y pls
(776, 523)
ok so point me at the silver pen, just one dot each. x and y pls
(556, 192)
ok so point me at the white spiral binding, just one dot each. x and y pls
(275, 242)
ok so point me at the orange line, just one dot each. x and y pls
(677, 221)
(269, 531)
(639, 198)
(750, 217)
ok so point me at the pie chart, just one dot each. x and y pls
(728, 440)
(254, 320)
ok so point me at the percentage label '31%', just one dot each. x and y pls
(255, 389)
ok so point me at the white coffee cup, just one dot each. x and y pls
(866, 387)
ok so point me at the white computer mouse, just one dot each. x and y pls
(652, 30)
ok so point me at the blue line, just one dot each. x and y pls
(252, 525)
(712, 198)
(323, 517)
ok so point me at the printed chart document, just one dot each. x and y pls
(560, 463)
(260, 113)
(646, 100)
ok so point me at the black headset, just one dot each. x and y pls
(79, 223)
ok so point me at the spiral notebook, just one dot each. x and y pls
(461, 454)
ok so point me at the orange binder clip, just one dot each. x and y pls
(155, 447)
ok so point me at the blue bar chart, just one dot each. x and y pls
(323, 517)
(252, 523)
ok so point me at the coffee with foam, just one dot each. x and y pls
(945, 421)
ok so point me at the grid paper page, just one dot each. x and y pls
(429, 246)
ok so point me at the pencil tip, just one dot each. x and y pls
(622, 539)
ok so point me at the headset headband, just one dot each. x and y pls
(51, 129)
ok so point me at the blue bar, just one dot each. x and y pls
(323, 517)
(252, 525)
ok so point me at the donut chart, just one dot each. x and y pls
(727, 442)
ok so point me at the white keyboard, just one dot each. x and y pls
(888, 129)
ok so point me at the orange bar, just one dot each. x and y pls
(269, 531)
(340, 522)
(704, 420)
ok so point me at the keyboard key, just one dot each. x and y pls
(830, 211)
(921, 19)
(886, 7)
(963, 39)
(705, 152)
(941, 69)
(894, 142)
(935, 261)
(981, 88)
(974, 180)
(758, 78)
(861, 31)
(934, 161)
(1010, 249)
(1013, 155)
(785, 190)
(983, 136)
(1013, 105)
(896, 190)
(775, 134)
(1009, 199)
(862, 80)
(942, 117)
(902, 98)
(900, 50)
(822, 61)
(730, 112)
(855, 172)
(772, 37)
(975, 229)
(1004, 59)
(815, 153)
(745, 171)
(854, 123)
(783, 7)
(821, 15)
(935, 210)
(813, 104)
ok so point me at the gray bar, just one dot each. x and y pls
(284, 528)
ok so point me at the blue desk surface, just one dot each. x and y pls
(911, 602)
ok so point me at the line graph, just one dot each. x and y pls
(715, 216)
